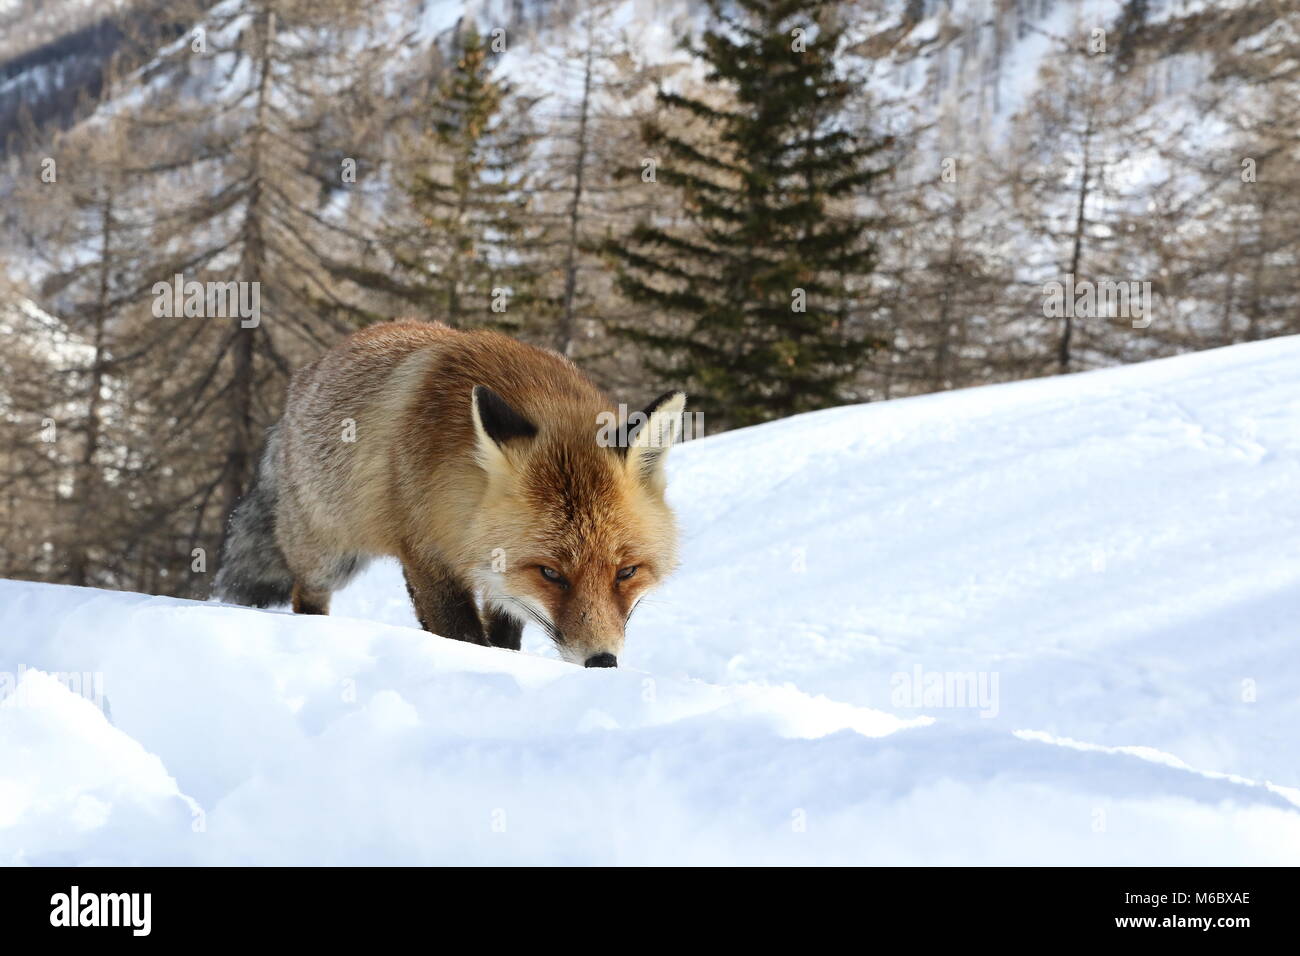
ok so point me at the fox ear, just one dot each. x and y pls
(660, 426)
(496, 423)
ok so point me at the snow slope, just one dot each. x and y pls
(1104, 571)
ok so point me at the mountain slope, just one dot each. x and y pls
(1099, 570)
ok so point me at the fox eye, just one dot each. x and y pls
(625, 573)
(552, 575)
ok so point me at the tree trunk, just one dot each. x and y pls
(1076, 255)
(564, 337)
(240, 449)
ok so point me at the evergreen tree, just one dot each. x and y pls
(766, 275)
(1074, 194)
(947, 277)
(581, 186)
(1240, 241)
(470, 252)
(221, 184)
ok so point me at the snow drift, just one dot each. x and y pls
(1046, 622)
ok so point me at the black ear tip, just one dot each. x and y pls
(650, 410)
(663, 399)
(499, 418)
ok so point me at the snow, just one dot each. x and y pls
(1045, 622)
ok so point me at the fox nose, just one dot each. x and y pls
(602, 660)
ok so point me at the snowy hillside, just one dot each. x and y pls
(1102, 572)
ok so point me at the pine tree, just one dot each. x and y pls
(1071, 192)
(222, 185)
(1245, 232)
(580, 182)
(95, 217)
(604, 83)
(470, 253)
(766, 275)
(949, 274)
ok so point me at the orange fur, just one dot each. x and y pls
(463, 512)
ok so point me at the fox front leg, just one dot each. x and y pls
(503, 630)
(309, 601)
(443, 604)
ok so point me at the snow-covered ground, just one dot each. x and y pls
(1101, 572)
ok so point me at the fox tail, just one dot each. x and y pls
(252, 569)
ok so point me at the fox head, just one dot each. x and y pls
(575, 532)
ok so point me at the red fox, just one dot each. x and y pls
(475, 460)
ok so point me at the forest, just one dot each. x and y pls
(779, 206)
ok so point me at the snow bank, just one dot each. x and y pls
(1047, 622)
